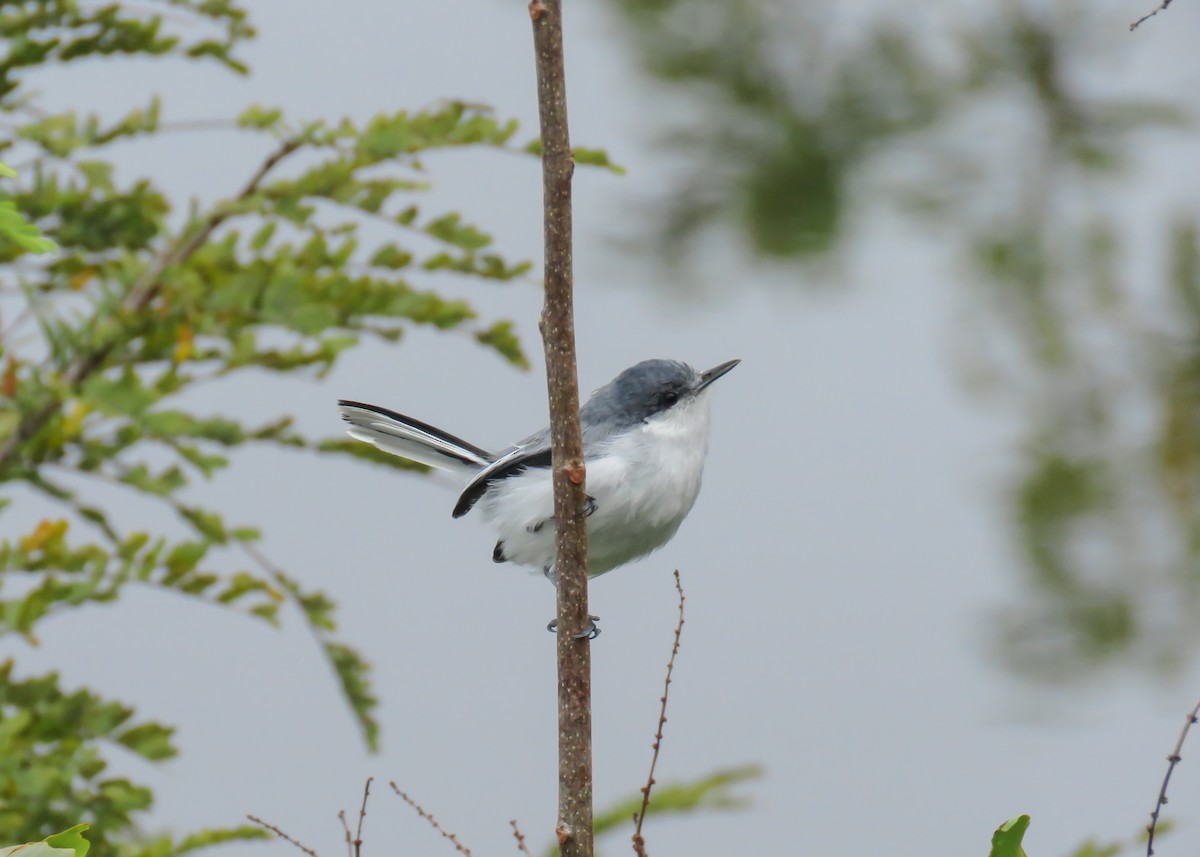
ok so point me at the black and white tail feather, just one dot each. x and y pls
(418, 441)
(412, 439)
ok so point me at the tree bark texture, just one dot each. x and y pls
(574, 828)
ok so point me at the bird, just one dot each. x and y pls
(645, 440)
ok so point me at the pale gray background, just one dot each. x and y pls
(841, 564)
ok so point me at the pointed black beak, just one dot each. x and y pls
(714, 373)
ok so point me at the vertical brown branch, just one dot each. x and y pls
(574, 828)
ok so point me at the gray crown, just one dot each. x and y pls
(639, 393)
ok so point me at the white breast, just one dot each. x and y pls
(644, 484)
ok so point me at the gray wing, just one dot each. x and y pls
(533, 451)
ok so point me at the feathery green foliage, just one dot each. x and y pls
(14, 228)
(116, 301)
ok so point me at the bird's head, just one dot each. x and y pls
(652, 388)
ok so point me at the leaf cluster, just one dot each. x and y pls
(131, 314)
(53, 772)
(133, 303)
(14, 228)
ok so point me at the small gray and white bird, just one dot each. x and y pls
(645, 437)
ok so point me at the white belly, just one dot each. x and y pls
(644, 485)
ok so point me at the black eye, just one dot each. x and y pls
(669, 398)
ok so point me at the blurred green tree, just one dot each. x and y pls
(979, 127)
(101, 342)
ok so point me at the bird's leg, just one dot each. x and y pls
(592, 631)
(589, 508)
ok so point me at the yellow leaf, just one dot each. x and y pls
(80, 278)
(183, 343)
(73, 424)
(9, 384)
(44, 532)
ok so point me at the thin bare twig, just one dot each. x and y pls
(520, 837)
(282, 835)
(432, 821)
(362, 814)
(1174, 759)
(1162, 7)
(639, 844)
(349, 835)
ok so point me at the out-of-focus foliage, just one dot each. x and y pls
(983, 132)
(713, 792)
(14, 228)
(53, 769)
(101, 342)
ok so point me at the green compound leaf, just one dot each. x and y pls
(713, 792)
(208, 837)
(596, 158)
(581, 155)
(15, 228)
(367, 452)
(501, 337)
(149, 740)
(348, 665)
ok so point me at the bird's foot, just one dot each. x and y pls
(591, 632)
(589, 508)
